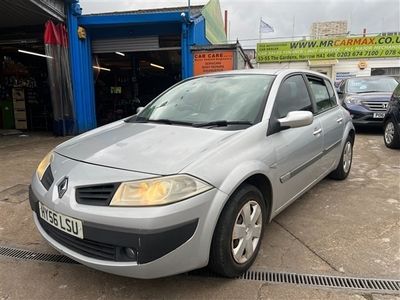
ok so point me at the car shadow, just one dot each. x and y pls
(364, 130)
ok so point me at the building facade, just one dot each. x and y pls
(329, 28)
(116, 62)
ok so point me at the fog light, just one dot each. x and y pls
(131, 253)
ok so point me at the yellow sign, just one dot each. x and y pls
(362, 65)
(81, 33)
(335, 48)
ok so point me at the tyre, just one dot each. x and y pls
(344, 166)
(237, 236)
(391, 135)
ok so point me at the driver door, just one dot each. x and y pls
(296, 149)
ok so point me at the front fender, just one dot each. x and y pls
(348, 127)
(241, 172)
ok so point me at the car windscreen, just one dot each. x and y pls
(229, 98)
(371, 84)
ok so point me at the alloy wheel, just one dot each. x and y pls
(389, 133)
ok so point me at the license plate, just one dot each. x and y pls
(67, 224)
(379, 115)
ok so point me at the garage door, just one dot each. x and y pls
(150, 43)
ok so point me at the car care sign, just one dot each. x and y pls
(212, 61)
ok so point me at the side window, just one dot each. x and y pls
(342, 85)
(396, 92)
(331, 93)
(321, 95)
(396, 95)
(292, 96)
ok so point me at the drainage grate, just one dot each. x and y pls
(326, 281)
(340, 282)
(32, 255)
(366, 284)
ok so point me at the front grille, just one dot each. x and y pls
(83, 246)
(47, 179)
(99, 195)
(376, 106)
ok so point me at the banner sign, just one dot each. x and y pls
(215, 32)
(212, 61)
(335, 48)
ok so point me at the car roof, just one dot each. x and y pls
(371, 77)
(275, 72)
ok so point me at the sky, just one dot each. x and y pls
(244, 15)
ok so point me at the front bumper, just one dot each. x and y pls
(119, 244)
(167, 240)
(362, 116)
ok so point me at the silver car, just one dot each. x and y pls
(194, 177)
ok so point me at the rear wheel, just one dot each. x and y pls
(391, 136)
(344, 166)
(237, 237)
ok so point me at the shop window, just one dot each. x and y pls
(394, 71)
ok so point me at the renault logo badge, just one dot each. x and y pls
(62, 187)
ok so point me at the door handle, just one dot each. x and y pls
(318, 131)
(340, 120)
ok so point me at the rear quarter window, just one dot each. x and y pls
(323, 97)
(331, 93)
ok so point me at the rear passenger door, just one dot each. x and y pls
(330, 115)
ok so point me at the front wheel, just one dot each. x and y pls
(391, 136)
(238, 234)
(343, 169)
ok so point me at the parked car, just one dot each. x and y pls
(392, 121)
(195, 176)
(367, 98)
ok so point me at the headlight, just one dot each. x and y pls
(352, 100)
(158, 191)
(46, 161)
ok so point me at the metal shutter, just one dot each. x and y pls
(126, 45)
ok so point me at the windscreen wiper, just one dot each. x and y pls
(221, 123)
(139, 119)
(169, 122)
(136, 119)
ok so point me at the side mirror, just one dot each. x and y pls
(296, 119)
(139, 109)
(338, 91)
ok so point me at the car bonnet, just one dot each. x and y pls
(143, 147)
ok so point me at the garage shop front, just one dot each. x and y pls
(121, 61)
(27, 100)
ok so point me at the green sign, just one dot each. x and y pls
(335, 48)
(215, 31)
